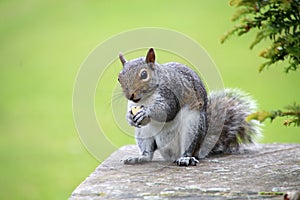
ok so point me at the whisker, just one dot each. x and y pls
(118, 97)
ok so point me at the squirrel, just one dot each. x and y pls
(176, 116)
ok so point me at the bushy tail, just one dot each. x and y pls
(228, 128)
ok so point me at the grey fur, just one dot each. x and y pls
(236, 105)
(174, 98)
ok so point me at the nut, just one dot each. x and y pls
(135, 109)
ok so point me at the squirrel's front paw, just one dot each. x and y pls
(186, 161)
(138, 116)
(141, 117)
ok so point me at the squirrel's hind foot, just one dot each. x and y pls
(187, 161)
(136, 160)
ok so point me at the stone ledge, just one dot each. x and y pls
(271, 168)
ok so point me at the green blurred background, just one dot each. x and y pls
(43, 44)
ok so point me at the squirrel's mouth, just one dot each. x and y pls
(133, 98)
(136, 100)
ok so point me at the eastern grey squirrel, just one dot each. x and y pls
(174, 115)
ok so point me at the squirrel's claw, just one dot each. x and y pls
(136, 160)
(139, 117)
(131, 160)
(186, 161)
(130, 120)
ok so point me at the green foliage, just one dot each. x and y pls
(292, 112)
(275, 20)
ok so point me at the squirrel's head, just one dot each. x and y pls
(137, 77)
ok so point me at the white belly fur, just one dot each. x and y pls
(172, 137)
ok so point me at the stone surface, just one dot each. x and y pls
(263, 173)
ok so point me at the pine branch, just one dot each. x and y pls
(292, 113)
(277, 21)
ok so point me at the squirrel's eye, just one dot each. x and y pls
(144, 74)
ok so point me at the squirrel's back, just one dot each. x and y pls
(185, 84)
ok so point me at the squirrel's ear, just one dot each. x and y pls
(122, 59)
(150, 58)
